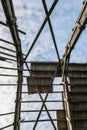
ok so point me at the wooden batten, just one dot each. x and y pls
(39, 84)
(62, 124)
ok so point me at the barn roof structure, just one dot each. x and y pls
(56, 91)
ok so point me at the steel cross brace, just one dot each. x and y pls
(43, 105)
(51, 29)
(41, 28)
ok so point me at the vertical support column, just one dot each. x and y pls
(11, 22)
(17, 117)
(67, 105)
(65, 63)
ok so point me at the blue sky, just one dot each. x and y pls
(30, 15)
(30, 18)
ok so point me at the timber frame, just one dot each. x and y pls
(21, 60)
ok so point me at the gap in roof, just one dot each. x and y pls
(30, 16)
(33, 14)
(49, 3)
(63, 20)
(44, 49)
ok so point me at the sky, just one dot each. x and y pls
(30, 15)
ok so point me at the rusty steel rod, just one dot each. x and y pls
(49, 92)
(1, 47)
(27, 121)
(5, 114)
(7, 54)
(6, 127)
(26, 111)
(10, 75)
(8, 59)
(2, 40)
(5, 24)
(8, 68)
(36, 101)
